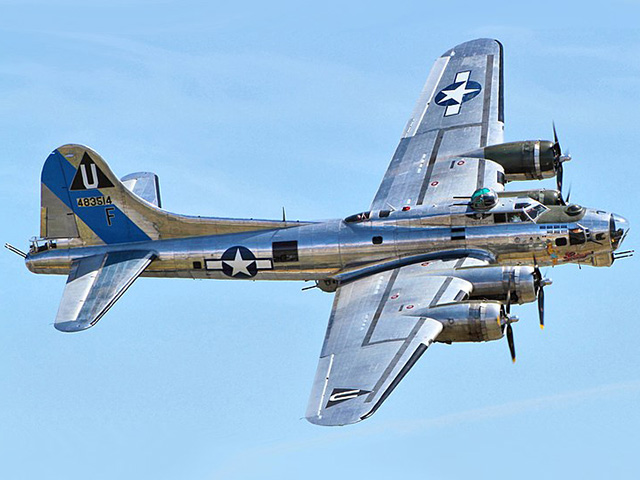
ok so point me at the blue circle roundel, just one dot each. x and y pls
(454, 95)
(239, 262)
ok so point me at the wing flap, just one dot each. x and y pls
(95, 284)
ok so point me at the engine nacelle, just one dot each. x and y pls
(542, 195)
(527, 160)
(469, 322)
(494, 283)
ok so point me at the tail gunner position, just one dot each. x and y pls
(440, 256)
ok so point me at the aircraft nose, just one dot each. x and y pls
(618, 228)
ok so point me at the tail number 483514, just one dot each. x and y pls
(94, 201)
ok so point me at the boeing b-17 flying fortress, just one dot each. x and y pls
(441, 255)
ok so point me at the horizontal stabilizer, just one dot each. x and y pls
(146, 185)
(95, 284)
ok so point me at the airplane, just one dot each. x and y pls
(441, 254)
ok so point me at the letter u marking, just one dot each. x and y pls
(94, 176)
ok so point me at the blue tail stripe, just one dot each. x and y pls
(57, 175)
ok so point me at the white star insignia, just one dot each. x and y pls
(239, 264)
(458, 93)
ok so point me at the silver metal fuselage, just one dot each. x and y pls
(339, 250)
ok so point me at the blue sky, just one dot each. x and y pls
(242, 110)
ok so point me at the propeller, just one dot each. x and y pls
(507, 320)
(540, 283)
(568, 200)
(558, 159)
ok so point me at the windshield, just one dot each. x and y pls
(536, 211)
(358, 217)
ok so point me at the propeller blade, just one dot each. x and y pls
(512, 346)
(559, 175)
(541, 305)
(508, 307)
(557, 151)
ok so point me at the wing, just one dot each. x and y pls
(460, 110)
(373, 339)
(95, 284)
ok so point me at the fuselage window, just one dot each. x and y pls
(577, 236)
(285, 251)
(561, 241)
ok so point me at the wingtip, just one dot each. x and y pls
(333, 420)
(71, 326)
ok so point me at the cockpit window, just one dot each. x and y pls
(536, 211)
(358, 217)
(517, 217)
(511, 217)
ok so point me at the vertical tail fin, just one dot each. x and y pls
(83, 201)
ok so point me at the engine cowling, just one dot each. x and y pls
(494, 283)
(525, 160)
(469, 322)
(542, 195)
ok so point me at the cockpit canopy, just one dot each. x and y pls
(358, 217)
(524, 212)
(364, 216)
